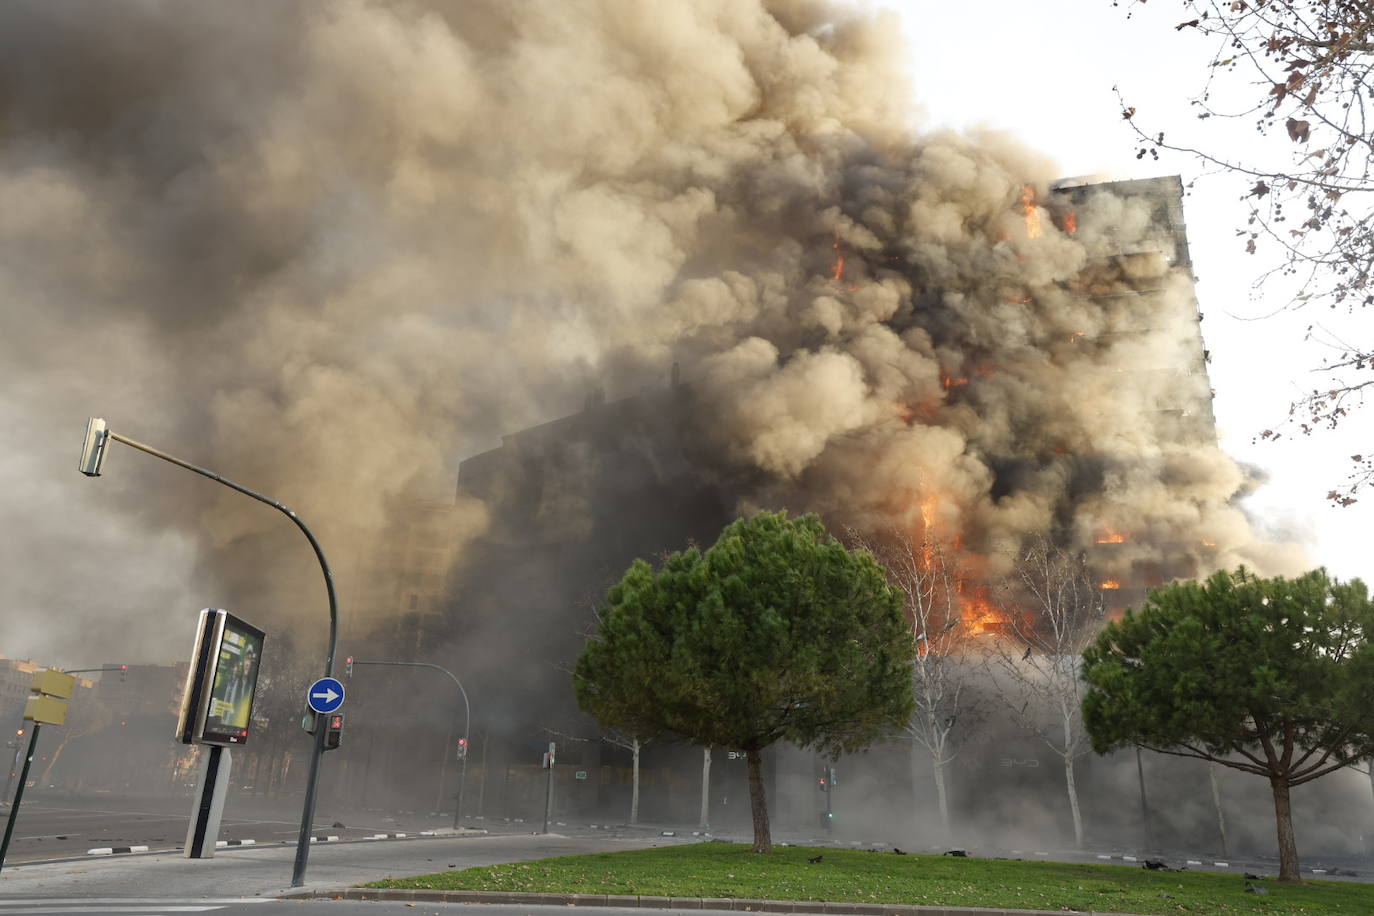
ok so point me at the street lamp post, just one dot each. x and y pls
(98, 435)
(467, 723)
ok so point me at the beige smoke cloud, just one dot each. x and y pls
(329, 249)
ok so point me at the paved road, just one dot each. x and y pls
(266, 870)
(58, 827)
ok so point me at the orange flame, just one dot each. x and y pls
(1113, 537)
(980, 616)
(1032, 215)
(1071, 222)
(837, 269)
(1111, 583)
(950, 382)
(1209, 543)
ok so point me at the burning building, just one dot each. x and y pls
(1078, 410)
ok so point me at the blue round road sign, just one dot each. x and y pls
(325, 695)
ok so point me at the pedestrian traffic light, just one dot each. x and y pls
(123, 673)
(333, 735)
(462, 748)
(348, 666)
(821, 783)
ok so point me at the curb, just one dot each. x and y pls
(112, 850)
(220, 844)
(736, 904)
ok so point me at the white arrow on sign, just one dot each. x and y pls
(328, 696)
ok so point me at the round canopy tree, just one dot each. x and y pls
(776, 633)
(1269, 676)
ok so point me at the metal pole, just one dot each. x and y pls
(1144, 808)
(18, 797)
(467, 718)
(308, 812)
(829, 787)
(548, 795)
(462, 782)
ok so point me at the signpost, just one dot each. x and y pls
(48, 705)
(325, 695)
(548, 790)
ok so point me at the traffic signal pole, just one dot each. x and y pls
(467, 721)
(18, 796)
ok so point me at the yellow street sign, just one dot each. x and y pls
(53, 683)
(46, 710)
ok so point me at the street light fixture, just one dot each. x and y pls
(93, 451)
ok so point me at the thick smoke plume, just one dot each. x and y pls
(327, 250)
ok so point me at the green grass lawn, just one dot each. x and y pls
(731, 870)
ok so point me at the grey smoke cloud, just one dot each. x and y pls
(327, 250)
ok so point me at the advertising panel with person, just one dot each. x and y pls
(217, 703)
(236, 675)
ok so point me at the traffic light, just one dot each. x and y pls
(821, 783)
(348, 666)
(333, 735)
(123, 673)
(19, 732)
(462, 748)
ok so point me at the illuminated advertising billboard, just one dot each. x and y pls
(217, 704)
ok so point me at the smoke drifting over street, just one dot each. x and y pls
(326, 251)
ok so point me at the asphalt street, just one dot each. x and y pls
(58, 827)
(248, 871)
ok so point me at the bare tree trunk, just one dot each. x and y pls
(940, 792)
(1216, 800)
(917, 786)
(758, 805)
(52, 761)
(704, 823)
(634, 791)
(1288, 844)
(1073, 801)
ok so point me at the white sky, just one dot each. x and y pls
(1044, 71)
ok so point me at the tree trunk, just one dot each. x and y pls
(1288, 844)
(1216, 800)
(704, 823)
(940, 793)
(52, 760)
(918, 783)
(1073, 801)
(634, 790)
(758, 805)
